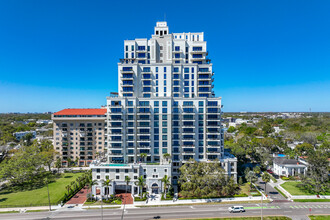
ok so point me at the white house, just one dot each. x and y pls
(288, 167)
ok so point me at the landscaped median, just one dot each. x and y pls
(38, 197)
(247, 218)
(319, 217)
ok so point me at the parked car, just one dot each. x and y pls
(236, 209)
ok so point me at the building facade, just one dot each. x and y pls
(165, 112)
(79, 135)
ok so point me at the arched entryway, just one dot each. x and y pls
(155, 188)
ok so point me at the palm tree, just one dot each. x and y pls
(266, 178)
(140, 183)
(127, 180)
(166, 182)
(143, 156)
(252, 177)
(106, 184)
(92, 183)
(68, 187)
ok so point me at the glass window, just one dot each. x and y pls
(192, 69)
(156, 103)
(164, 103)
(164, 110)
(186, 76)
(156, 69)
(132, 47)
(165, 70)
(176, 69)
(130, 103)
(200, 103)
(186, 70)
(164, 76)
(156, 110)
(126, 48)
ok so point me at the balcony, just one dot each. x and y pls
(146, 76)
(127, 76)
(127, 70)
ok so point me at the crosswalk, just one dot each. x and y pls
(310, 206)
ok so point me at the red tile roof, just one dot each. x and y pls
(82, 111)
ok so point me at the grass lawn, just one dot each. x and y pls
(311, 200)
(292, 188)
(245, 190)
(319, 217)
(248, 218)
(38, 196)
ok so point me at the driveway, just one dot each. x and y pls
(271, 192)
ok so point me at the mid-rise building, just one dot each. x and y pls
(79, 134)
(165, 112)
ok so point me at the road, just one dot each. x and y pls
(290, 209)
(271, 192)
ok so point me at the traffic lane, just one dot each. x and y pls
(176, 212)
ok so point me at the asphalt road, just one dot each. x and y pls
(294, 210)
(271, 192)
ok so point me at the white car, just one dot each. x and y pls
(236, 209)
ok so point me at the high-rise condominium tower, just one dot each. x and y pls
(164, 113)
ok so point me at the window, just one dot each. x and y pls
(132, 55)
(164, 103)
(132, 47)
(157, 77)
(186, 70)
(156, 69)
(126, 49)
(164, 110)
(165, 74)
(192, 69)
(176, 69)
(165, 71)
(156, 103)
(126, 55)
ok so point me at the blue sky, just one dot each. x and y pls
(267, 55)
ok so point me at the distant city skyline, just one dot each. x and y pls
(267, 56)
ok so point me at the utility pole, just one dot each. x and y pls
(261, 205)
(101, 205)
(50, 207)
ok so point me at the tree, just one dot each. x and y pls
(76, 161)
(69, 161)
(304, 149)
(68, 187)
(58, 164)
(91, 183)
(106, 184)
(127, 180)
(143, 156)
(266, 178)
(166, 182)
(231, 129)
(47, 153)
(202, 179)
(317, 178)
(251, 177)
(257, 170)
(267, 129)
(167, 156)
(140, 183)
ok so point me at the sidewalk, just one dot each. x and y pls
(155, 201)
